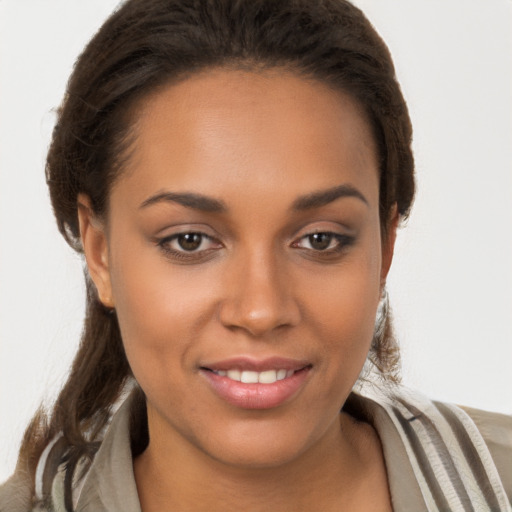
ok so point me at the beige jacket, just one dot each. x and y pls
(438, 458)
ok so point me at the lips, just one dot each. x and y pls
(252, 384)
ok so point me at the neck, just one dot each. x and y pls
(329, 475)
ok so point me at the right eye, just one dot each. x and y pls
(191, 245)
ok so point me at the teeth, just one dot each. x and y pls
(234, 375)
(281, 374)
(268, 377)
(250, 377)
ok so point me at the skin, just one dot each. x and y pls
(256, 286)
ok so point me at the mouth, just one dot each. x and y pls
(253, 377)
(249, 384)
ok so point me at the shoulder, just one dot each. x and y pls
(475, 444)
(496, 430)
(43, 491)
(458, 456)
(16, 493)
(67, 479)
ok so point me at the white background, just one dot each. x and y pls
(451, 285)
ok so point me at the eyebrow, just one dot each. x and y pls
(188, 199)
(211, 205)
(324, 197)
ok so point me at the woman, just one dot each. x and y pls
(234, 173)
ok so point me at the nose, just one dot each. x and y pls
(258, 296)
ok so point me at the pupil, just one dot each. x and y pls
(320, 241)
(190, 241)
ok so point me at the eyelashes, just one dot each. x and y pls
(196, 246)
(188, 246)
(324, 242)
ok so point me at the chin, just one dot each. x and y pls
(262, 445)
(253, 456)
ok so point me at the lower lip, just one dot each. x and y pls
(256, 396)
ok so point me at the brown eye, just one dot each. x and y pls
(324, 243)
(320, 241)
(189, 246)
(189, 241)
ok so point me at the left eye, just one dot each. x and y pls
(324, 241)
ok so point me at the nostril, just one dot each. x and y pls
(258, 321)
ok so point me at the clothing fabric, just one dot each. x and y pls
(438, 457)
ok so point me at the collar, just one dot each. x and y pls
(110, 482)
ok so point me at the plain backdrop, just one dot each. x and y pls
(451, 284)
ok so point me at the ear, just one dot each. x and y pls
(94, 243)
(388, 244)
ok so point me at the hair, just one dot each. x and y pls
(146, 44)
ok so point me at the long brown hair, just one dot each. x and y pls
(146, 44)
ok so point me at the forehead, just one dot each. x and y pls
(265, 130)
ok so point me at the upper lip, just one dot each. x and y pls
(256, 365)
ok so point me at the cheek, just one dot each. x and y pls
(347, 323)
(343, 312)
(161, 310)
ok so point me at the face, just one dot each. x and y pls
(243, 255)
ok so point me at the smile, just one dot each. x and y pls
(248, 384)
(251, 377)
